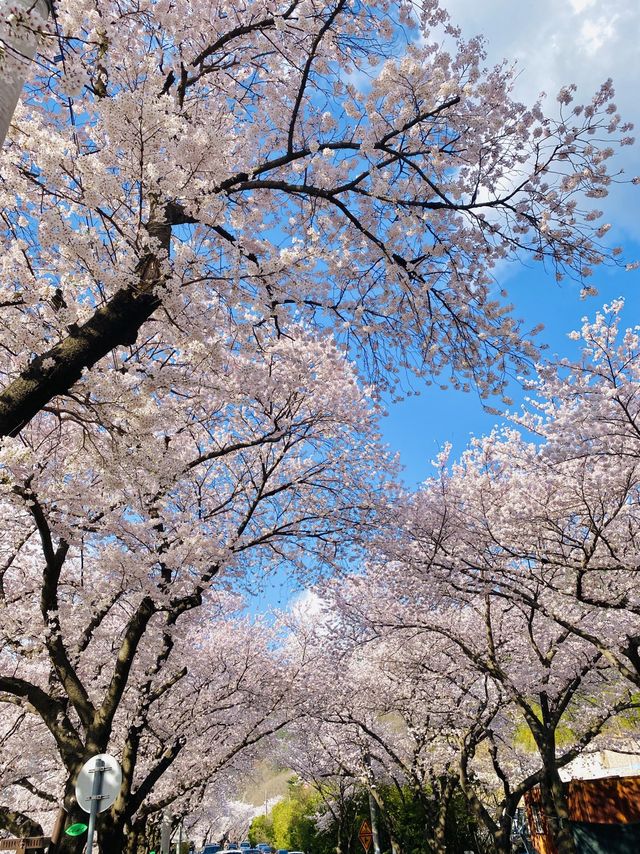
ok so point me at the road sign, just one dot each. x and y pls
(97, 788)
(365, 835)
(111, 782)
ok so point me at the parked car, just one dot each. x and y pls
(211, 848)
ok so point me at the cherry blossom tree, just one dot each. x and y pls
(175, 738)
(556, 500)
(446, 592)
(195, 198)
(523, 556)
(313, 753)
(176, 480)
(580, 540)
(175, 160)
(386, 718)
(27, 768)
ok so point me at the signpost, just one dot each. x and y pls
(97, 787)
(365, 835)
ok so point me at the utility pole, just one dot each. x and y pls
(165, 834)
(17, 49)
(374, 823)
(370, 783)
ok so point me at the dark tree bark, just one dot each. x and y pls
(557, 813)
(444, 793)
(114, 324)
(18, 823)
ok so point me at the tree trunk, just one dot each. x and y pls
(444, 792)
(75, 815)
(502, 835)
(55, 372)
(439, 841)
(143, 836)
(111, 837)
(557, 813)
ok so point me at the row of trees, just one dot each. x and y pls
(203, 216)
(325, 814)
(495, 636)
(119, 559)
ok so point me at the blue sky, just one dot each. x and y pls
(420, 426)
(553, 43)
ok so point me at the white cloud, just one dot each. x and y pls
(307, 607)
(596, 32)
(579, 6)
(542, 37)
(556, 43)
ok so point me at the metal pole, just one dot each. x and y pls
(17, 49)
(165, 834)
(96, 790)
(374, 823)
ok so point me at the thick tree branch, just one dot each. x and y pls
(52, 713)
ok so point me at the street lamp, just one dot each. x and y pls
(17, 49)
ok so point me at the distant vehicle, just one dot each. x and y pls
(263, 846)
(211, 848)
(245, 844)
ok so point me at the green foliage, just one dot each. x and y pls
(412, 819)
(292, 822)
(261, 830)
